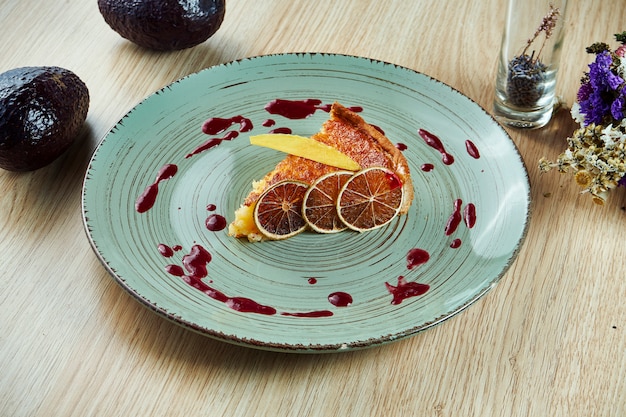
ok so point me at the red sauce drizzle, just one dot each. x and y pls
(211, 143)
(281, 130)
(269, 123)
(455, 244)
(312, 280)
(216, 125)
(300, 109)
(469, 215)
(427, 167)
(416, 257)
(295, 109)
(196, 265)
(405, 290)
(211, 207)
(312, 314)
(340, 299)
(434, 142)
(215, 222)
(455, 218)
(472, 150)
(401, 146)
(196, 261)
(147, 199)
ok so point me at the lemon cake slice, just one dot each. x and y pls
(344, 131)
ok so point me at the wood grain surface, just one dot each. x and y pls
(549, 340)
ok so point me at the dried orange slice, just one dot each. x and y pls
(319, 208)
(370, 199)
(278, 212)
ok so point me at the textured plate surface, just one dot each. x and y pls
(294, 278)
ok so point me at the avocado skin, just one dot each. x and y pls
(42, 110)
(164, 25)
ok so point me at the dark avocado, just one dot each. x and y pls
(42, 110)
(164, 24)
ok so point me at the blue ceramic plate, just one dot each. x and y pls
(157, 177)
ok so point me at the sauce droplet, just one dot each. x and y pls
(435, 143)
(472, 150)
(416, 257)
(469, 215)
(340, 299)
(147, 199)
(427, 167)
(455, 244)
(215, 223)
(455, 218)
(165, 250)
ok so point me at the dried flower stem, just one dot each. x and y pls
(548, 23)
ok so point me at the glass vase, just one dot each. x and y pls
(529, 62)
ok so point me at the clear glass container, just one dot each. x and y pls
(529, 62)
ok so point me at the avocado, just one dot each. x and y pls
(42, 110)
(164, 25)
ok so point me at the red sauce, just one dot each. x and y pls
(416, 257)
(300, 109)
(340, 299)
(268, 123)
(195, 263)
(211, 143)
(295, 109)
(434, 142)
(404, 290)
(427, 167)
(175, 270)
(455, 218)
(382, 132)
(469, 215)
(165, 250)
(311, 314)
(211, 207)
(216, 125)
(455, 244)
(394, 181)
(401, 146)
(282, 131)
(472, 150)
(312, 280)
(215, 222)
(147, 199)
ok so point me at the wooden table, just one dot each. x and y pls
(549, 340)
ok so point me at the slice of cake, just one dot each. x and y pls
(345, 131)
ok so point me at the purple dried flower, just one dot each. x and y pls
(600, 96)
(617, 107)
(584, 92)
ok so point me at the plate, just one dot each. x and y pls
(168, 175)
